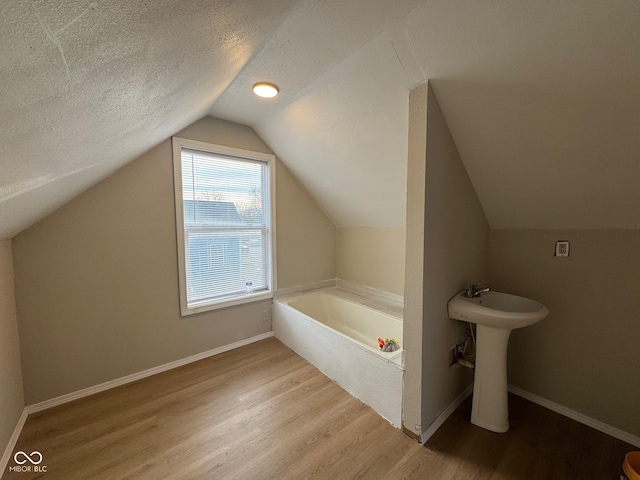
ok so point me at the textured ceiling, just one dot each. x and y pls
(542, 98)
(86, 86)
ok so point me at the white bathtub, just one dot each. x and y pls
(339, 337)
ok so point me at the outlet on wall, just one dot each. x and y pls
(266, 315)
(562, 248)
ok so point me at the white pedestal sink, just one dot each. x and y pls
(495, 315)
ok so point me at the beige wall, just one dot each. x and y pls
(372, 257)
(447, 248)
(97, 281)
(414, 261)
(306, 237)
(11, 396)
(456, 242)
(585, 355)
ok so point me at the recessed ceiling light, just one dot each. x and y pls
(265, 90)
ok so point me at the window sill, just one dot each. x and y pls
(206, 306)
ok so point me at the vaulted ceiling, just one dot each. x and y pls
(542, 98)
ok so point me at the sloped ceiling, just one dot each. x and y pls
(87, 86)
(542, 98)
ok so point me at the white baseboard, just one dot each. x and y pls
(6, 456)
(69, 397)
(578, 417)
(437, 423)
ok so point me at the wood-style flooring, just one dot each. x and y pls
(262, 412)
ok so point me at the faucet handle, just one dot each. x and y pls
(471, 290)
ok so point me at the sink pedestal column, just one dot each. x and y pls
(490, 408)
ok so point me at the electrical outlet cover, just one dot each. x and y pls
(562, 248)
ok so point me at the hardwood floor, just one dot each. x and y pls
(262, 412)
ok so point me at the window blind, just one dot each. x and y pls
(225, 202)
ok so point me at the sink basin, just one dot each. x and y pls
(495, 314)
(498, 310)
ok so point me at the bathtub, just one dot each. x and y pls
(339, 337)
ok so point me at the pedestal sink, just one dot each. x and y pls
(495, 315)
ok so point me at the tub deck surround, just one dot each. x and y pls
(371, 293)
(310, 324)
(307, 287)
(385, 302)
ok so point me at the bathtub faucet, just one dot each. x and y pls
(473, 291)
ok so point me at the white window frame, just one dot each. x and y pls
(270, 162)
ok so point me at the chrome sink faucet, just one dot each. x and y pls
(473, 291)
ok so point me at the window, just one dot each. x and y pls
(224, 217)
